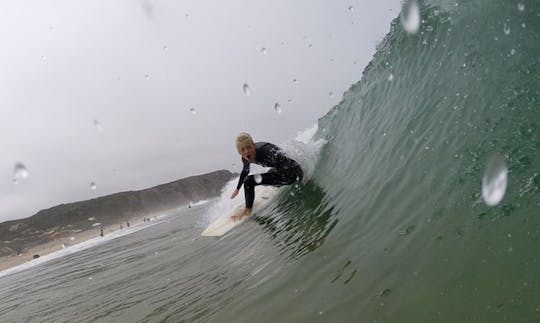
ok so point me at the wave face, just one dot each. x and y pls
(393, 225)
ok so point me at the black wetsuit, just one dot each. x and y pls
(284, 170)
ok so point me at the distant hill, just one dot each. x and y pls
(65, 219)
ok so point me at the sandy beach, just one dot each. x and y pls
(58, 244)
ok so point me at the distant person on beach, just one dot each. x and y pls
(284, 171)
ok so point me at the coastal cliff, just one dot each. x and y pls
(66, 219)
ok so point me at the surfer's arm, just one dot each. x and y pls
(243, 174)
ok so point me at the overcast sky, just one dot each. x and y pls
(101, 91)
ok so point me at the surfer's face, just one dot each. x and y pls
(247, 150)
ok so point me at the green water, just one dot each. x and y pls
(403, 234)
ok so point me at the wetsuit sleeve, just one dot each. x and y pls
(243, 174)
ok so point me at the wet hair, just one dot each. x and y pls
(243, 137)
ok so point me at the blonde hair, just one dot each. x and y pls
(243, 137)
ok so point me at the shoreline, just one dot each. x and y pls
(8, 262)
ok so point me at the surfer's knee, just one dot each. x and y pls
(249, 181)
(296, 175)
(299, 174)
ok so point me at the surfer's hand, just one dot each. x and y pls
(234, 193)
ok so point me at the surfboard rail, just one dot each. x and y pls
(225, 223)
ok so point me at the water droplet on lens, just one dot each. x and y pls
(93, 186)
(42, 57)
(330, 94)
(521, 6)
(495, 180)
(391, 77)
(19, 172)
(295, 81)
(263, 50)
(506, 29)
(436, 12)
(410, 17)
(257, 178)
(512, 51)
(165, 48)
(290, 100)
(247, 90)
(98, 125)
(385, 292)
(310, 46)
(193, 111)
(277, 107)
(351, 8)
(147, 77)
(429, 28)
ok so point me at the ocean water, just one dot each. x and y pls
(422, 203)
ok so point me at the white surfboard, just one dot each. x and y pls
(225, 223)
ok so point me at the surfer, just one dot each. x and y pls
(284, 171)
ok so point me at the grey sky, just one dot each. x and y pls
(139, 66)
